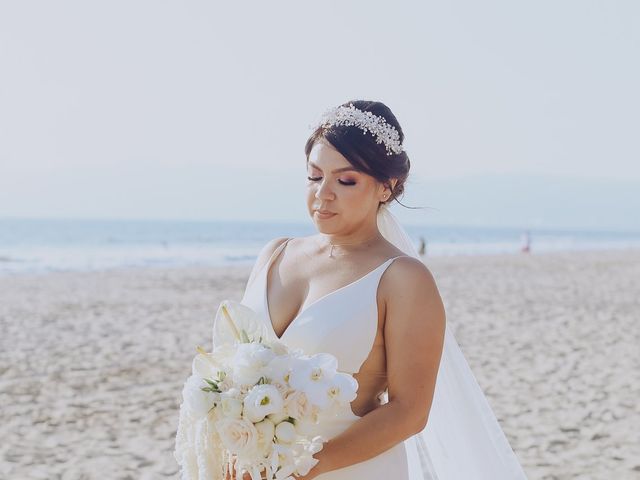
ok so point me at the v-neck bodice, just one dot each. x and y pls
(343, 322)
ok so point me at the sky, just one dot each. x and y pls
(515, 113)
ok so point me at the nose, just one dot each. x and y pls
(324, 191)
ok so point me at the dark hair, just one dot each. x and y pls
(362, 151)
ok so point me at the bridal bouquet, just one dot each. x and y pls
(251, 403)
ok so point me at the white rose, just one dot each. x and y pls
(261, 401)
(197, 401)
(231, 407)
(249, 362)
(285, 432)
(238, 435)
(297, 405)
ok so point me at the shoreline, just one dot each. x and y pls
(242, 267)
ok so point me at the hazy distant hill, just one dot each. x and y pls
(527, 201)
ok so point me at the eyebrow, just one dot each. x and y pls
(337, 170)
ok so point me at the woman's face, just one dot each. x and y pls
(334, 186)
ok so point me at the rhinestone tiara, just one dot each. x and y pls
(366, 121)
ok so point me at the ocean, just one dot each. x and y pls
(39, 246)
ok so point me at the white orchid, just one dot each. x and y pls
(313, 375)
(343, 388)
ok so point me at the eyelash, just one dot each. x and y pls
(315, 179)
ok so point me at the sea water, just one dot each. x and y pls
(29, 245)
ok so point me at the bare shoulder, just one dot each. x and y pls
(414, 332)
(410, 291)
(265, 254)
(408, 273)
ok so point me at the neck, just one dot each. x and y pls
(355, 239)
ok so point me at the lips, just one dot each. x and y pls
(324, 213)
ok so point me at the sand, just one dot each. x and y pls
(92, 364)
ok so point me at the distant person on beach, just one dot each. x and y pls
(422, 250)
(526, 242)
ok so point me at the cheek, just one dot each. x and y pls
(310, 194)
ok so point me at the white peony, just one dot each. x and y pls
(239, 436)
(249, 363)
(197, 401)
(261, 401)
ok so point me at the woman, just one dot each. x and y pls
(357, 290)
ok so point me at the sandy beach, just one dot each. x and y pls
(92, 364)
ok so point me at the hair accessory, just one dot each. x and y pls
(366, 121)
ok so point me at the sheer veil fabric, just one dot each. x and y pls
(462, 439)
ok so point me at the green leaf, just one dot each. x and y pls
(244, 336)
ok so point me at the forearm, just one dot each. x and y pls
(374, 433)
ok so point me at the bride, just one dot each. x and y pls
(358, 290)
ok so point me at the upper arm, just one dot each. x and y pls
(264, 256)
(414, 337)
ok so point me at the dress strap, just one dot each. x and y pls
(276, 253)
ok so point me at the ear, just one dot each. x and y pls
(391, 184)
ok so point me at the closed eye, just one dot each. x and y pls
(317, 179)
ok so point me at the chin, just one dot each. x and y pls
(322, 227)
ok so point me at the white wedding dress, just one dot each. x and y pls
(343, 323)
(462, 439)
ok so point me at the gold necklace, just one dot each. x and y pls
(343, 244)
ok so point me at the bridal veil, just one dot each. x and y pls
(462, 439)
